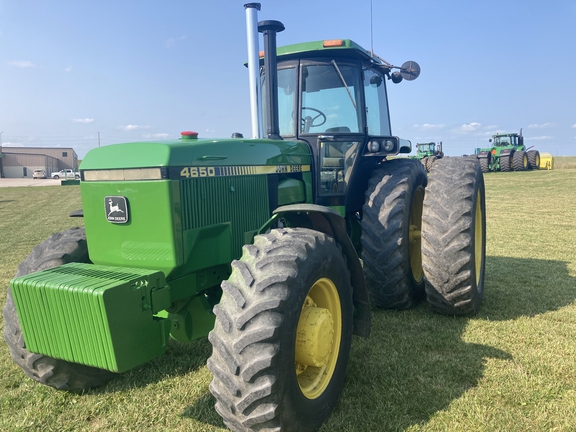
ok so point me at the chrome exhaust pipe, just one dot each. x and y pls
(254, 68)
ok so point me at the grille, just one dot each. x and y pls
(241, 200)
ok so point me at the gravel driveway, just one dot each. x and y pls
(16, 182)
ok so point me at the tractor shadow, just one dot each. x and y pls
(416, 363)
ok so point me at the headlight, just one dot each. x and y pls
(388, 145)
(373, 146)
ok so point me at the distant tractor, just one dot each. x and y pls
(508, 153)
(273, 247)
(428, 153)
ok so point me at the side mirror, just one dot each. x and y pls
(405, 146)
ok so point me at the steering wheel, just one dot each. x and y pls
(309, 121)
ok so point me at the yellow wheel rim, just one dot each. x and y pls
(478, 237)
(415, 235)
(537, 161)
(318, 338)
(525, 161)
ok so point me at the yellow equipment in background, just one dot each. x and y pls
(546, 161)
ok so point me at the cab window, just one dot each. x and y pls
(377, 118)
(330, 99)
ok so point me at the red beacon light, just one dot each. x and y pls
(188, 135)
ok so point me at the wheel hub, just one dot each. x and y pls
(315, 335)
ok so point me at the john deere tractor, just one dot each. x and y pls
(255, 243)
(508, 153)
(428, 153)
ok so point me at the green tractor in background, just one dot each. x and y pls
(255, 243)
(428, 153)
(508, 153)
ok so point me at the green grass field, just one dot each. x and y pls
(511, 368)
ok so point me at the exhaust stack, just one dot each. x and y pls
(253, 67)
(269, 30)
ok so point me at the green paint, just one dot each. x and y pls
(99, 316)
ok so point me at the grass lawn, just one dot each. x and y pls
(510, 368)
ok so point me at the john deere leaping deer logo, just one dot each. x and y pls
(116, 209)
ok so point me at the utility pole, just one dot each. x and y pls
(98, 139)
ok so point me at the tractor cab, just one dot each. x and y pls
(507, 140)
(429, 149)
(332, 95)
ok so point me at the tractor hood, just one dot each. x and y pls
(196, 152)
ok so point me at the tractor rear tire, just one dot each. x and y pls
(286, 307)
(520, 161)
(534, 159)
(62, 248)
(454, 237)
(391, 227)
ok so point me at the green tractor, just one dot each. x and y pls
(508, 153)
(428, 153)
(255, 243)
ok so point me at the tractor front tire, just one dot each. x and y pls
(520, 161)
(485, 163)
(62, 248)
(506, 163)
(454, 237)
(430, 162)
(391, 226)
(283, 331)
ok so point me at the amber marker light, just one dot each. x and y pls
(333, 43)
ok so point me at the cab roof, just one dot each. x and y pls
(322, 48)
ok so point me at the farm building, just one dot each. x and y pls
(20, 162)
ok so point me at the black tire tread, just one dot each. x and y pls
(534, 159)
(505, 163)
(484, 164)
(518, 161)
(448, 237)
(246, 335)
(384, 242)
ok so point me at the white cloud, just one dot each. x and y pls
(542, 126)
(470, 127)
(574, 125)
(172, 41)
(22, 64)
(132, 127)
(539, 138)
(12, 144)
(68, 69)
(427, 126)
(156, 135)
(86, 120)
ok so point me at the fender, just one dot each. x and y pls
(483, 155)
(328, 221)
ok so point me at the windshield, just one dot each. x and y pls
(504, 140)
(330, 99)
(426, 147)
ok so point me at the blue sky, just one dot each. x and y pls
(140, 70)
